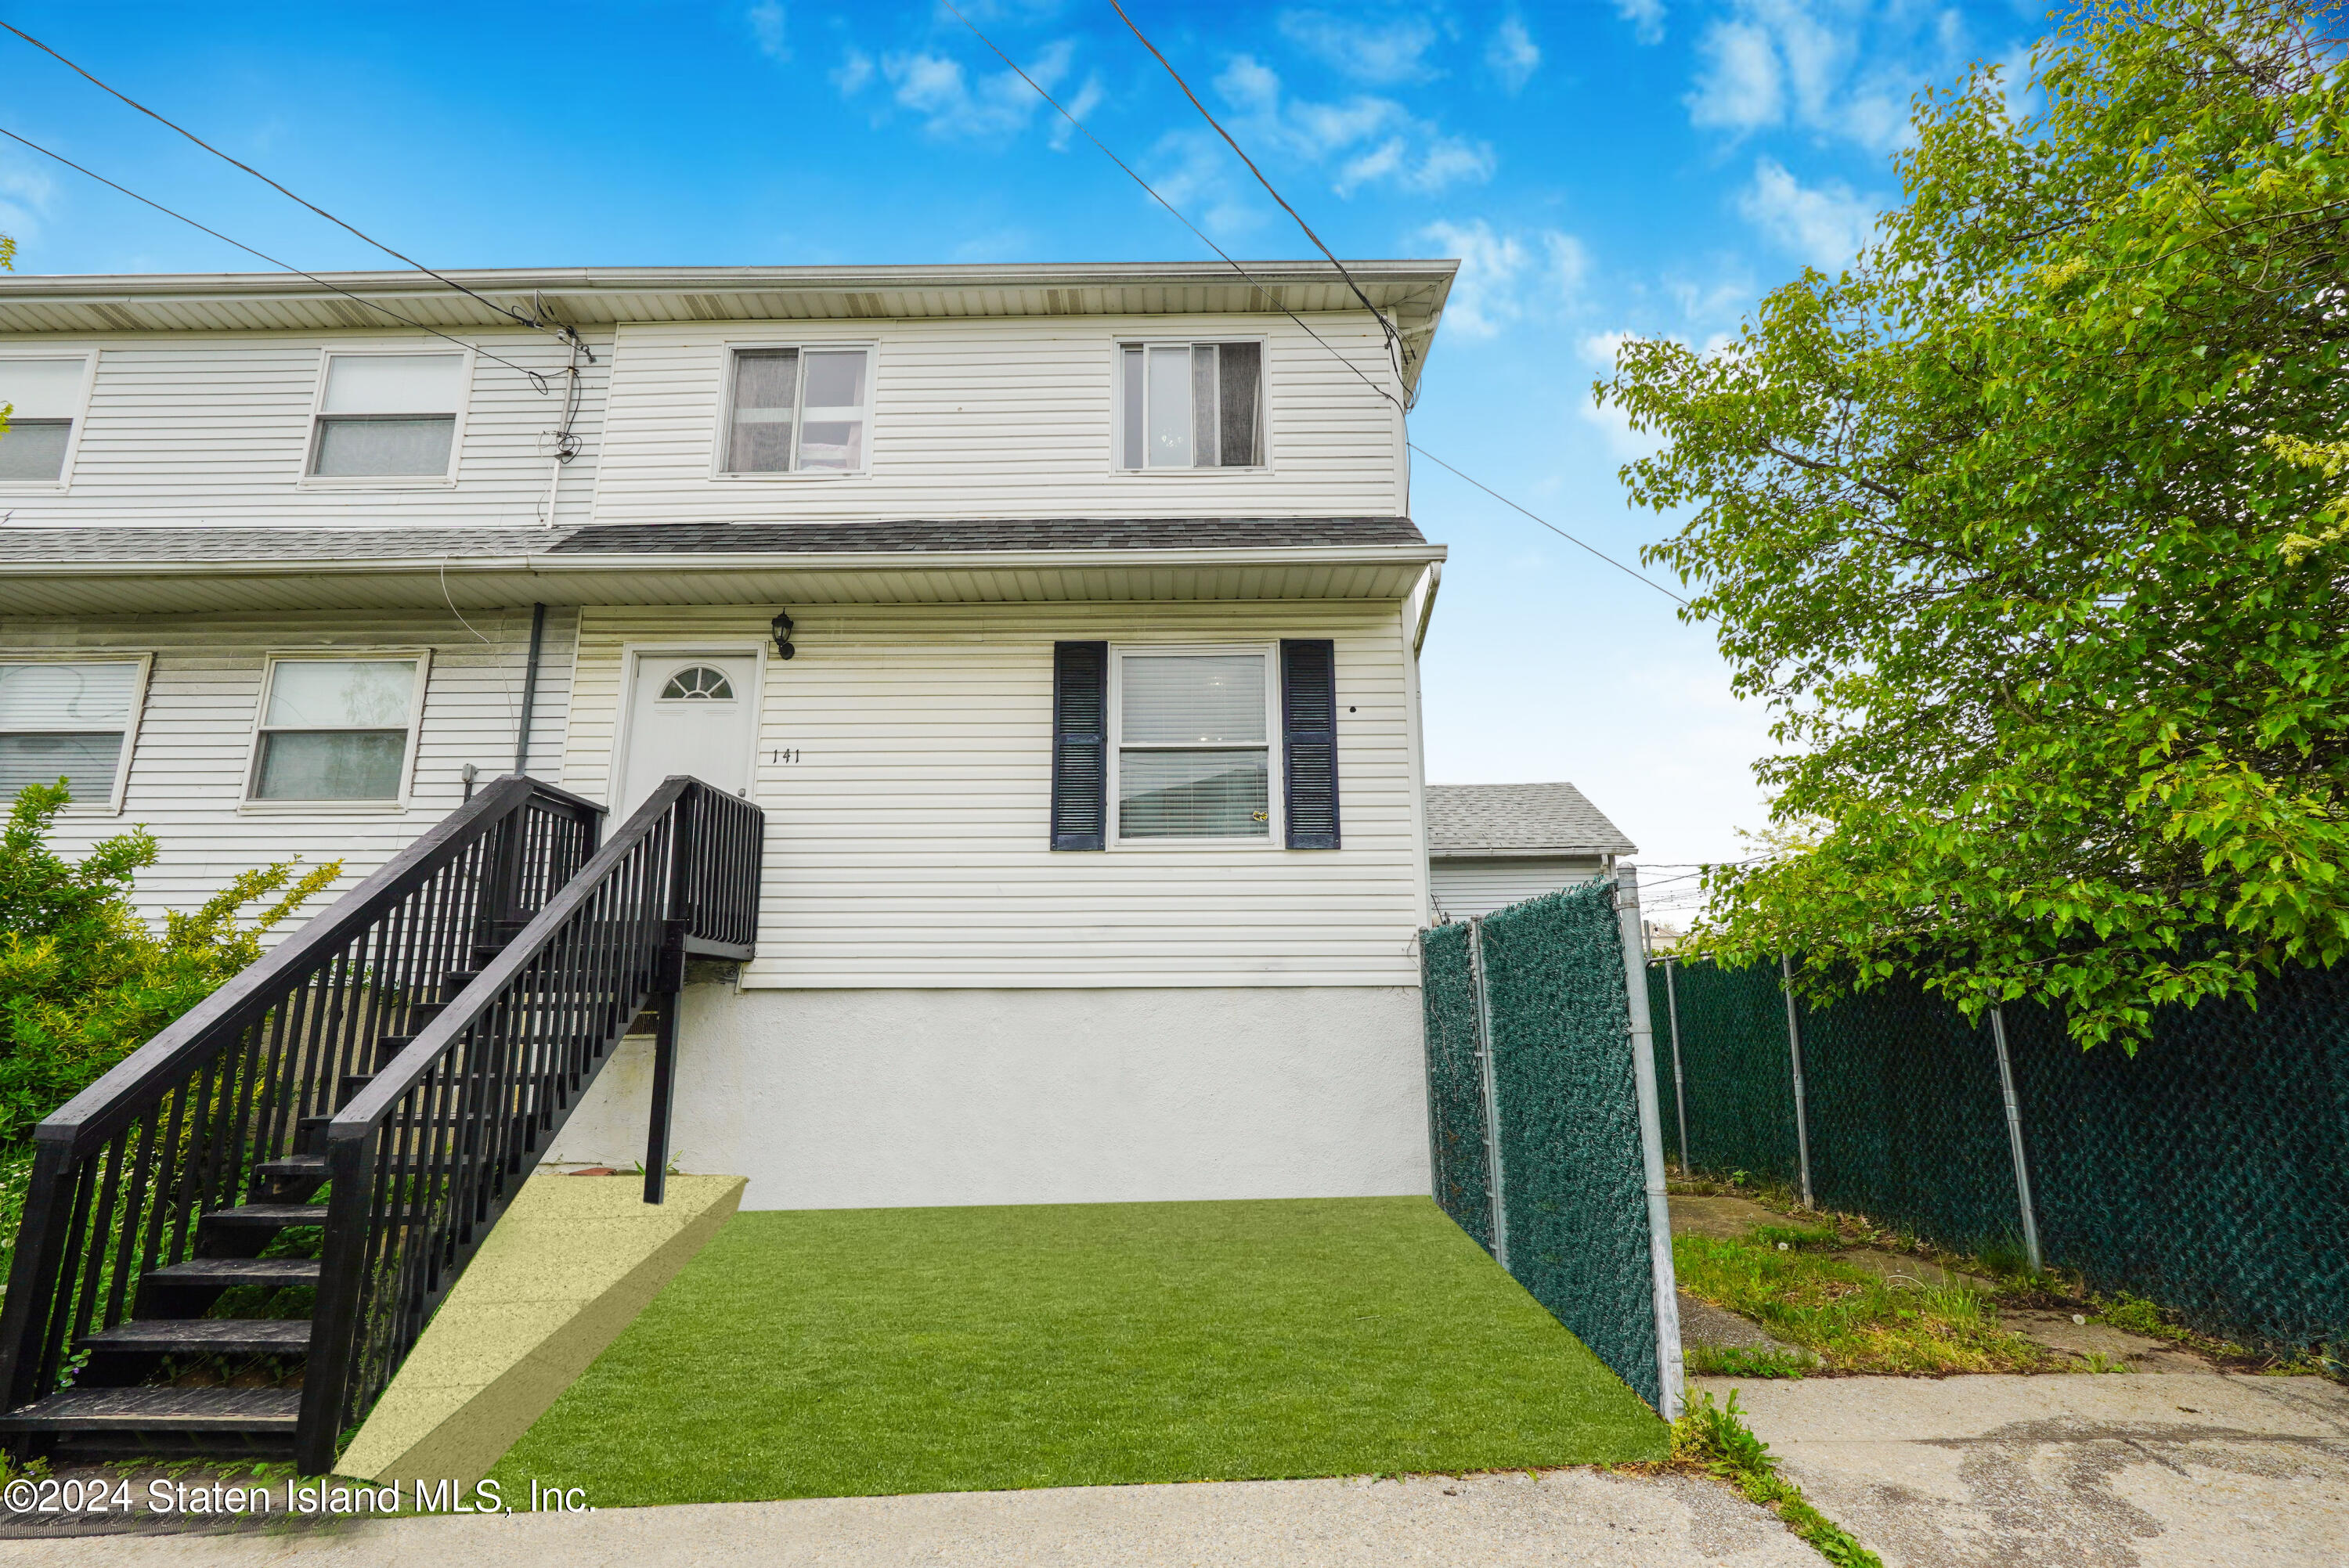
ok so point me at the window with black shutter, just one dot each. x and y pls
(1309, 726)
(1080, 745)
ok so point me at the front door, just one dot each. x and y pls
(691, 713)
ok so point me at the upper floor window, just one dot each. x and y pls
(797, 410)
(1191, 405)
(70, 720)
(336, 729)
(387, 416)
(44, 398)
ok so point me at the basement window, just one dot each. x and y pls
(797, 410)
(387, 417)
(44, 400)
(1191, 405)
(336, 729)
(70, 720)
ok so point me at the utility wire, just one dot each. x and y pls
(257, 174)
(537, 379)
(1266, 290)
(1387, 326)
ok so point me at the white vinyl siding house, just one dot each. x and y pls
(320, 542)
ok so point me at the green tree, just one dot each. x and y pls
(83, 980)
(2029, 526)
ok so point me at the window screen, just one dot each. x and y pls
(65, 721)
(44, 396)
(1192, 758)
(1191, 405)
(387, 416)
(334, 729)
(799, 410)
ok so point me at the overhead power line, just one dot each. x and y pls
(1393, 337)
(559, 331)
(1266, 290)
(537, 378)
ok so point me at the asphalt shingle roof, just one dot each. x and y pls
(1000, 533)
(207, 543)
(1463, 819)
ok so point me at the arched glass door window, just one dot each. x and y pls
(697, 683)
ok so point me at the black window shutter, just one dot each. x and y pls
(1308, 738)
(1080, 744)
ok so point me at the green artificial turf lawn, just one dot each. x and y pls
(845, 1353)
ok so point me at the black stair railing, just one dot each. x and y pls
(192, 1122)
(427, 1156)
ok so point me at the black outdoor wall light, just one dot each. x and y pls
(783, 624)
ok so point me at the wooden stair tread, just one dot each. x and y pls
(269, 1217)
(237, 1270)
(205, 1335)
(154, 1409)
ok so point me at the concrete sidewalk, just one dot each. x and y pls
(1501, 1521)
(2136, 1470)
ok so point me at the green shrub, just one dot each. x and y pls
(83, 980)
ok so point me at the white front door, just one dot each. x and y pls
(691, 713)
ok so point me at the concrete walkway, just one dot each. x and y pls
(1558, 1517)
(2134, 1470)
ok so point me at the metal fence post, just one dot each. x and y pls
(1651, 1147)
(2014, 1139)
(1795, 1057)
(1495, 1191)
(1680, 1093)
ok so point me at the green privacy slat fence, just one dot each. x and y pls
(2210, 1172)
(1456, 1087)
(1571, 1219)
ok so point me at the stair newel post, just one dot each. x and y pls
(668, 990)
(335, 1346)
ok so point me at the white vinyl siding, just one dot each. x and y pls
(1008, 418)
(1465, 888)
(904, 763)
(186, 781)
(213, 428)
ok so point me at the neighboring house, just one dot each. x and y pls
(1063, 621)
(1491, 845)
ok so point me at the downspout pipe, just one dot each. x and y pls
(529, 687)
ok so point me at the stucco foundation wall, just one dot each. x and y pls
(832, 1100)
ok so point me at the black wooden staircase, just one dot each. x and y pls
(232, 1240)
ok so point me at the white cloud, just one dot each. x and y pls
(1843, 68)
(1396, 52)
(1373, 139)
(1825, 226)
(24, 196)
(1499, 281)
(767, 26)
(999, 104)
(1513, 55)
(855, 70)
(1089, 98)
(1198, 177)
(1614, 427)
(1599, 346)
(1646, 16)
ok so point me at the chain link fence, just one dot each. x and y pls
(1542, 1150)
(2208, 1172)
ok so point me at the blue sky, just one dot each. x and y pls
(1602, 168)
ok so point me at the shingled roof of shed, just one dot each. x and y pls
(1472, 821)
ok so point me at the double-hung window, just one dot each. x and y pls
(797, 410)
(1192, 753)
(70, 721)
(388, 416)
(335, 728)
(1191, 405)
(44, 398)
